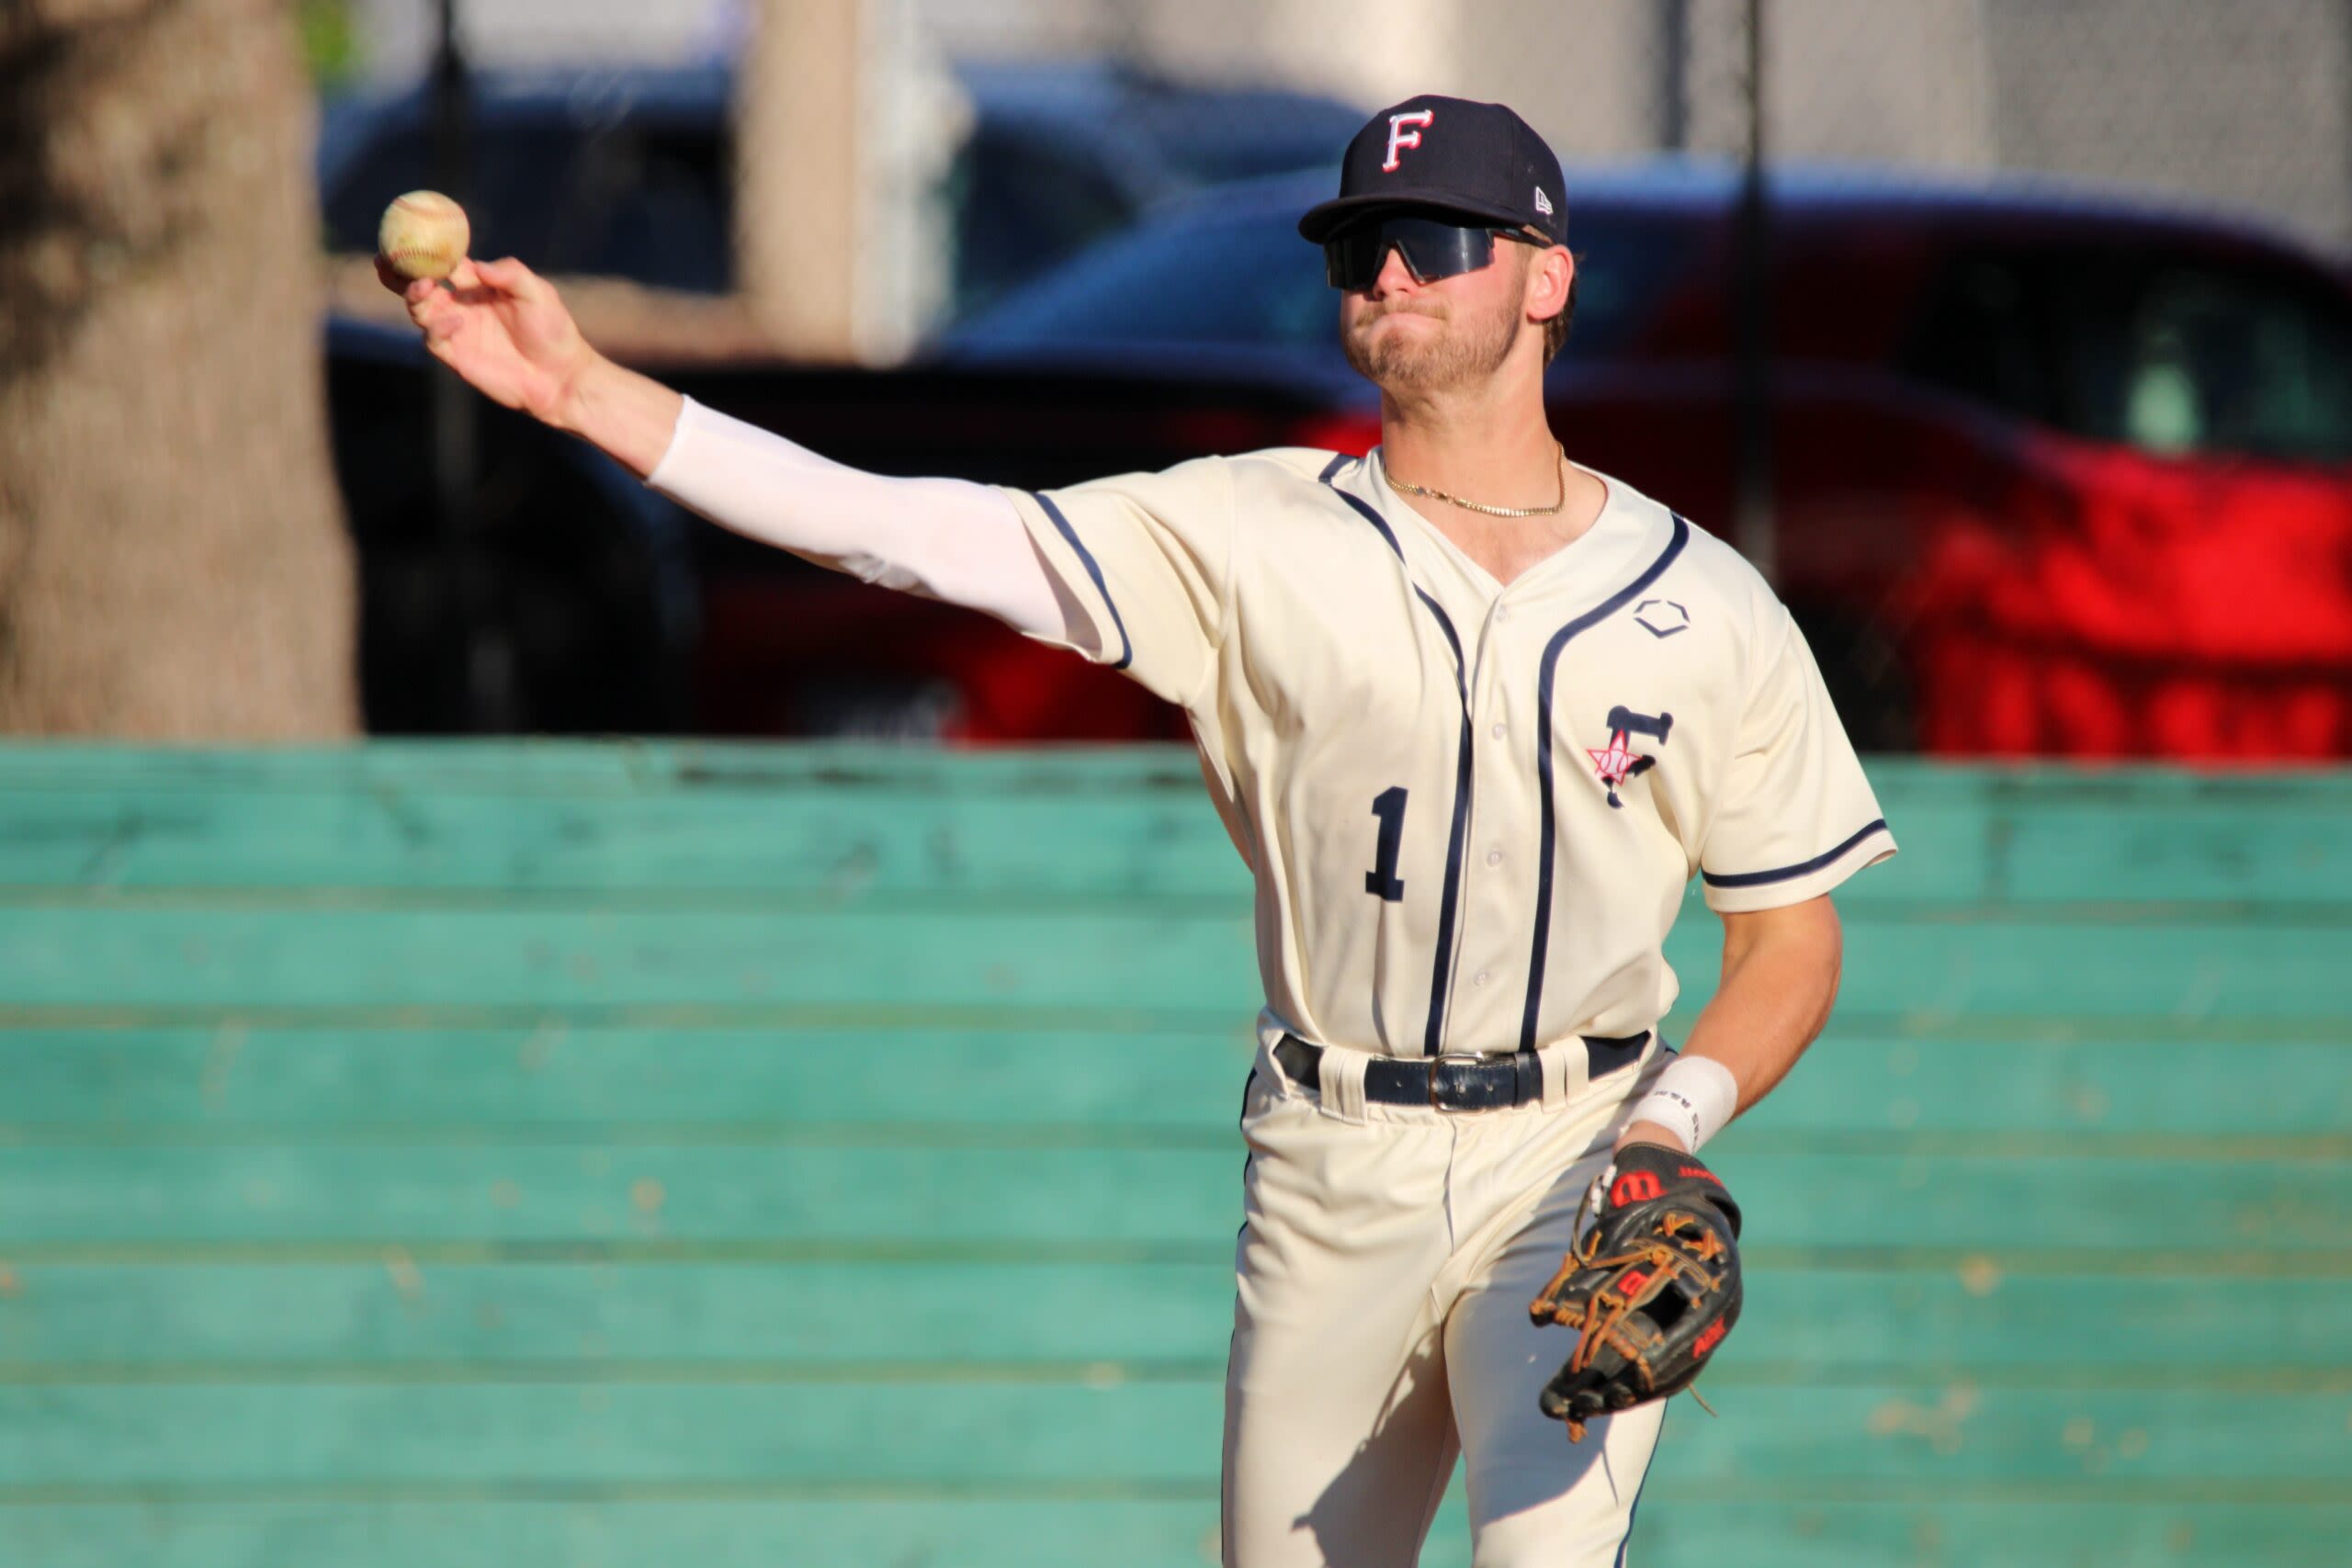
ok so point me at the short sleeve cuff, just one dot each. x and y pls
(1738, 892)
(1076, 574)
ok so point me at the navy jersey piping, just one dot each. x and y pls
(1365, 507)
(1786, 872)
(1434, 1036)
(1544, 847)
(1094, 571)
(1449, 903)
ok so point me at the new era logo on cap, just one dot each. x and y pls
(1542, 202)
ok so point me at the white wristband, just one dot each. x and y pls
(1695, 1096)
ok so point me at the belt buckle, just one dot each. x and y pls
(1437, 1074)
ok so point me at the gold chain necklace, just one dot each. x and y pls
(1560, 471)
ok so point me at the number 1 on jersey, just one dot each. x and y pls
(1381, 880)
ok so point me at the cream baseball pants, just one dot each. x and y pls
(1381, 1329)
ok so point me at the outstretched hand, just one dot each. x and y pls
(500, 326)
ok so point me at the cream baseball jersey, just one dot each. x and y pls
(1471, 809)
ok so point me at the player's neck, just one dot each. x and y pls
(1487, 442)
(1498, 454)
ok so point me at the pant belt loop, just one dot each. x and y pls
(1341, 1073)
(1566, 1069)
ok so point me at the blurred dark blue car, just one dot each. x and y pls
(628, 171)
(1222, 279)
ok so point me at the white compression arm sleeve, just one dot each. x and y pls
(946, 539)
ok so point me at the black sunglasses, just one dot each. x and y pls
(1432, 248)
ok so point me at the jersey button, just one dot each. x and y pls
(1494, 857)
(1503, 613)
(1497, 732)
(1479, 979)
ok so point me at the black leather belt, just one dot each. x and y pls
(1457, 1083)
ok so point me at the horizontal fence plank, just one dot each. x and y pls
(551, 767)
(1137, 1435)
(1057, 1322)
(2011, 1086)
(838, 845)
(1679, 1524)
(1134, 958)
(1141, 1435)
(1139, 960)
(905, 1532)
(333, 852)
(850, 825)
(491, 1317)
(241, 1082)
(2054, 851)
(910, 1190)
(557, 1076)
(1683, 1525)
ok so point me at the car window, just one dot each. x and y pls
(1018, 204)
(643, 202)
(2170, 358)
(1247, 278)
(1986, 334)
(1148, 286)
(2209, 361)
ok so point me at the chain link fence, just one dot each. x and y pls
(2115, 230)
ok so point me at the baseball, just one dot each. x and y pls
(424, 234)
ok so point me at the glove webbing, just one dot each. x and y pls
(1600, 1323)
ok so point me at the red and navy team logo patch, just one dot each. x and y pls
(1617, 761)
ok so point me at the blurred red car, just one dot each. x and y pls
(2053, 472)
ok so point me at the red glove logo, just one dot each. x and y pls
(1635, 1187)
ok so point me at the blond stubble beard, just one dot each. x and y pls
(1467, 352)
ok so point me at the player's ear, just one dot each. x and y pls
(1549, 278)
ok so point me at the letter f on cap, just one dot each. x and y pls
(1399, 138)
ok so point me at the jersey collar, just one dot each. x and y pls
(1595, 557)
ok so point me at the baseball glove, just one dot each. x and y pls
(1652, 1287)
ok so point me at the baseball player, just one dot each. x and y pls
(1474, 714)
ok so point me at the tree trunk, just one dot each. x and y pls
(174, 563)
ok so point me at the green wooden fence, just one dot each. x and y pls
(533, 1155)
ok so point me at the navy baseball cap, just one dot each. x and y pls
(1479, 160)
